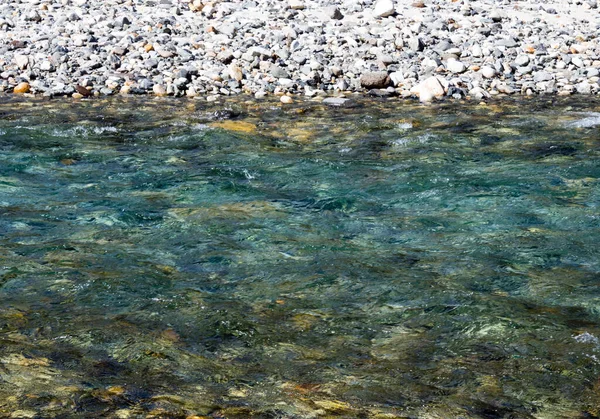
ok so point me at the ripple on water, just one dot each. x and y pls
(298, 262)
(592, 119)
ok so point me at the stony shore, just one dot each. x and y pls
(425, 49)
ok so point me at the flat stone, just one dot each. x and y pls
(296, 4)
(286, 99)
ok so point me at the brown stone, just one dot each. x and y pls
(21, 88)
(83, 91)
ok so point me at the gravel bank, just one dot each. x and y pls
(409, 48)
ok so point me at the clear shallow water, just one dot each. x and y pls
(171, 259)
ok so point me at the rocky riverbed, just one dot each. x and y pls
(425, 49)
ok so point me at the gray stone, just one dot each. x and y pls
(336, 101)
(374, 79)
(279, 72)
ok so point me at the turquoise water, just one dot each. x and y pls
(174, 259)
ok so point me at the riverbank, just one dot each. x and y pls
(411, 49)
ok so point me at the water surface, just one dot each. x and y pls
(172, 259)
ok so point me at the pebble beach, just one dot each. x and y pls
(421, 49)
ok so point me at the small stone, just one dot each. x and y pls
(77, 96)
(279, 72)
(22, 61)
(235, 72)
(46, 66)
(522, 60)
(505, 88)
(418, 4)
(383, 8)
(286, 99)
(148, 47)
(455, 66)
(296, 4)
(196, 6)
(21, 88)
(496, 16)
(159, 90)
(542, 76)
(261, 94)
(415, 44)
(17, 44)
(430, 89)
(165, 53)
(584, 88)
(334, 13)
(33, 16)
(396, 77)
(593, 72)
(84, 91)
(374, 79)
(487, 71)
(577, 61)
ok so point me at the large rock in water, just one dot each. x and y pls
(384, 8)
(374, 79)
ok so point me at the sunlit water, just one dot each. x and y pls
(171, 258)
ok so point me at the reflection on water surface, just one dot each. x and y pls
(167, 259)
